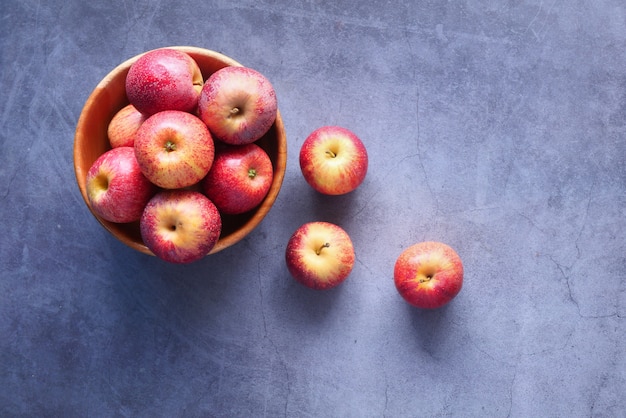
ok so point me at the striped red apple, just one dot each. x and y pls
(239, 178)
(428, 274)
(164, 79)
(174, 149)
(180, 226)
(116, 188)
(320, 255)
(124, 125)
(333, 160)
(238, 104)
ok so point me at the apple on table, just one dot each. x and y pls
(239, 178)
(180, 226)
(164, 79)
(238, 104)
(320, 255)
(174, 149)
(333, 160)
(428, 274)
(116, 188)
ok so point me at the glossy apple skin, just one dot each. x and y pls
(333, 160)
(174, 149)
(124, 125)
(320, 255)
(164, 79)
(238, 104)
(239, 178)
(180, 226)
(116, 188)
(428, 275)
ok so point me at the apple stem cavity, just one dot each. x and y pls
(170, 146)
(427, 275)
(103, 182)
(319, 250)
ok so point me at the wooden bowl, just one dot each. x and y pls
(91, 141)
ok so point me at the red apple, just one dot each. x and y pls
(428, 274)
(238, 104)
(116, 188)
(333, 160)
(320, 255)
(164, 79)
(174, 149)
(180, 226)
(239, 178)
(122, 128)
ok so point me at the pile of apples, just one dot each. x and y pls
(183, 153)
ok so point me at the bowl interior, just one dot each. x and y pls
(91, 141)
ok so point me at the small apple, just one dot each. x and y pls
(333, 160)
(180, 226)
(116, 188)
(123, 126)
(164, 79)
(428, 274)
(174, 149)
(239, 178)
(320, 255)
(238, 104)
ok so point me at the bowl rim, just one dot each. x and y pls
(225, 241)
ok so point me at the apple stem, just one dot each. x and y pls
(331, 154)
(252, 173)
(234, 111)
(170, 146)
(319, 250)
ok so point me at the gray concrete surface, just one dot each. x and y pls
(496, 127)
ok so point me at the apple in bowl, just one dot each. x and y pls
(116, 188)
(239, 178)
(124, 125)
(238, 104)
(164, 79)
(180, 226)
(174, 149)
(428, 274)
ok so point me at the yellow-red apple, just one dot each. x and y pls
(238, 104)
(116, 188)
(320, 255)
(123, 126)
(333, 160)
(180, 226)
(428, 274)
(174, 149)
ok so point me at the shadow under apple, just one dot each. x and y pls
(433, 328)
(301, 305)
(333, 209)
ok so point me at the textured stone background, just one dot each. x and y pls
(496, 127)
